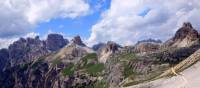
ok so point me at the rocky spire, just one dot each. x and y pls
(77, 40)
(187, 25)
(184, 36)
(55, 42)
(108, 49)
(186, 31)
(111, 47)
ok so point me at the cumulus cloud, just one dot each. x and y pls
(127, 21)
(19, 16)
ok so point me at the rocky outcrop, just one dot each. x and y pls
(40, 74)
(107, 50)
(73, 51)
(150, 41)
(146, 46)
(55, 42)
(115, 76)
(77, 40)
(25, 50)
(184, 37)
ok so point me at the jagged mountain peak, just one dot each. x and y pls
(109, 48)
(150, 40)
(77, 40)
(112, 46)
(55, 42)
(187, 25)
(186, 31)
(184, 36)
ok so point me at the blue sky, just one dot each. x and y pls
(75, 26)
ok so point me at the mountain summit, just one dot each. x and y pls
(55, 42)
(109, 49)
(184, 36)
(77, 40)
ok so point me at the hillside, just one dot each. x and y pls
(186, 75)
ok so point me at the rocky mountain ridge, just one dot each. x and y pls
(59, 63)
(185, 36)
(26, 50)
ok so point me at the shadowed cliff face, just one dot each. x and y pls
(4, 56)
(26, 50)
(40, 74)
(55, 42)
(186, 31)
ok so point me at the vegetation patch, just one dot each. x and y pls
(90, 56)
(100, 84)
(69, 70)
(129, 56)
(128, 71)
(95, 69)
(56, 62)
(39, 61)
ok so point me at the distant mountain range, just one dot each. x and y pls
(61, 63)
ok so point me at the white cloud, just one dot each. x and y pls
(19, 16)
(4, 42)
(44, 10)
(121, 22)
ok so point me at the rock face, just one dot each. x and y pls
(150, 41)
(25, 50)
(146, 47)
(107, 50)
(149, 45)
(184, 37)
(46, 71)
(55, 42)
(115, 75)
(77, 40)
(4, 56)
(41, 75)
